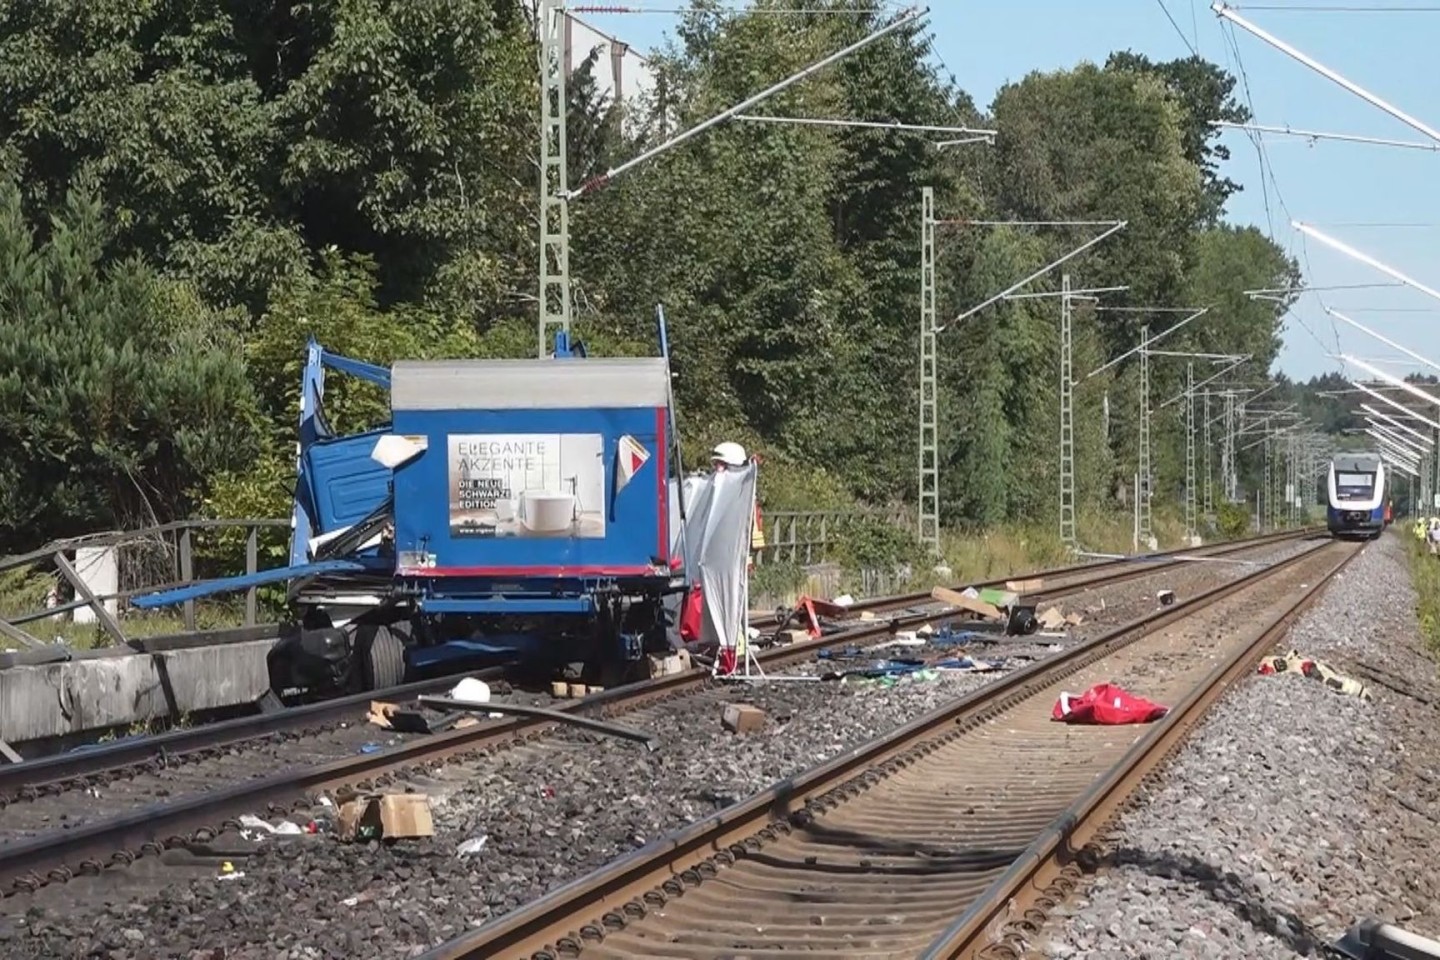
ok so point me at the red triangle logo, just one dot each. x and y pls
(636, 461)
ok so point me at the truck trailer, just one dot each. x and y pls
(510, 510)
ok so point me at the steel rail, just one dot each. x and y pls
(1143, 565)
(583, 911)
(34, 778)
(54, 857)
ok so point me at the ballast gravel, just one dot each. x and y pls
(541, 815)
(548, 813)
(1293, 811)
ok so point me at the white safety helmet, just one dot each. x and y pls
(729, 453)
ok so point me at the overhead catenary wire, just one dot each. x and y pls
(591, 8)
(893, 125)
(1334, 8)
(1118, 226)
(1268, 181)
(911, 16)
(1322, 135)
(1228, 12)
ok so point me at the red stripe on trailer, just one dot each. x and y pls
(585, 571)
(661, 475)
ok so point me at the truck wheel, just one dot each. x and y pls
(382, 656)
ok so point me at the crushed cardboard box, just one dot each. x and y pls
(742, 718)
(678, 662)
(1052, 619)
(391, 816)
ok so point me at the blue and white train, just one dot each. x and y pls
(1357, 491)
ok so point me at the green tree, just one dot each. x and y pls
(1206, 92)
(119, 391)
(233, 142)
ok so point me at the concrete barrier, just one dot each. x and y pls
(75, 696)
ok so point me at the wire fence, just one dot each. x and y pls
(803, 538)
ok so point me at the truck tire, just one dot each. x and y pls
(382, 656)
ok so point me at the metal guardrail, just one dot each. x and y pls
(169, 547)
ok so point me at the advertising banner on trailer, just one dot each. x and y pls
(542, 485)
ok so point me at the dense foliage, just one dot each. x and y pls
(200, 185)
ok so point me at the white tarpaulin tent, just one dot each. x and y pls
(719, 514)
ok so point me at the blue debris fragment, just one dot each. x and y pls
(968, 663)
(848, 653)
(949, 637)
(893, 668)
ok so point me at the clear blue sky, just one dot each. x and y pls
(1343, 189)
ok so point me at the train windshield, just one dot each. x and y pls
(1354, 486)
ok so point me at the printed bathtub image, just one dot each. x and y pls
(527, 485)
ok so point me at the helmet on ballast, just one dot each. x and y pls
(729, 453)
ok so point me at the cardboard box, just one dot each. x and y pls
(671, 663)
(392, 816)
(742, 718)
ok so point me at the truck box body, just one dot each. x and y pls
(543, 469)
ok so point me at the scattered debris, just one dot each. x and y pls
(559, 716)
(1106, 704)
(1004, 609)
(391, 816)
(741, 718)
(968, 665)
(472, 846)
(1021, 622)
(1166, 598)
(252, 825)
(1052, 619)
(471, 690)
(904, 638)
(967, 600)
(565, 690)
(673, 663)
(409, 718)
(1294, 662)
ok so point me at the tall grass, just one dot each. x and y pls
(1425, 574)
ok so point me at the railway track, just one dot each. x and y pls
(947, 838)
(1075, 576)
(102, 765)
(176, 803)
